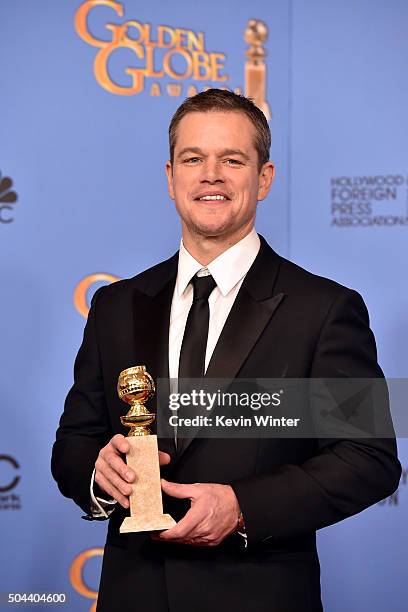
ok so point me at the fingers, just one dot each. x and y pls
(181, 491)
(113, 477)
(189, 522)
(186, 527)
(120, 443)
(164, 458)
(109, 459)
(193, 523)
(120, 494)
(111, 472)
(211, 518)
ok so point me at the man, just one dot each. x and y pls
(263, 317)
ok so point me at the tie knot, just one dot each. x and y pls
(203, 286)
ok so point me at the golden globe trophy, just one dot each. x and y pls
(256, 34)
(135, 386)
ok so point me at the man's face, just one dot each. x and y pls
(214, 180)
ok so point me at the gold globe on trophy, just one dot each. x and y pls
(135, 387)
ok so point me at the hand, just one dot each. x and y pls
(212, 517)
(111, 472)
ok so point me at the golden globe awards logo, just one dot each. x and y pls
(369, 201)
(165, 57)
(159, 50)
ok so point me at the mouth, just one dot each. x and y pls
(212, 197)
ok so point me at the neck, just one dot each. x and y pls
(205, 249)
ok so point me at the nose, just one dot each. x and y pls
(212, 172)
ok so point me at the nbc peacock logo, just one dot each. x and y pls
(8, 198)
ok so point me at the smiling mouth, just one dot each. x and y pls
(212, 198)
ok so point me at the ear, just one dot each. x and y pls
(169, 173)
(266, 177)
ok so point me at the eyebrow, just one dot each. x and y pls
(221, 154)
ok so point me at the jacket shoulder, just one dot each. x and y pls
(314, 297)
(292, 280)
(302, 281)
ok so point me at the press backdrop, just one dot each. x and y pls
(83, 143)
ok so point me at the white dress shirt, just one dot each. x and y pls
(228, 270)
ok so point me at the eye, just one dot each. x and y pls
(192, 160)
(233, 162)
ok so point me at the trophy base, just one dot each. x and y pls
(133, 524)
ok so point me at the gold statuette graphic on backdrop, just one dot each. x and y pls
(136, 386)
(256, 34)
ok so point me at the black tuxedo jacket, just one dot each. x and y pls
(285, 322)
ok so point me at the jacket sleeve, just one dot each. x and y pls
(346, 475)
(84, 425)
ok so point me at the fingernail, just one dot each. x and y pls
(129, 476)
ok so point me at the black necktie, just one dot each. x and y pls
(193, 347)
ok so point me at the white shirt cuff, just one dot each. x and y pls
(100, 508)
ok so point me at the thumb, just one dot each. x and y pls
(175, 489)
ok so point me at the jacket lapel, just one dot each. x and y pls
(246, 322)
(152, 307)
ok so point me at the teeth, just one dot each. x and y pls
(214, 197)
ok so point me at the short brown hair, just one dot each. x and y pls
(224, 101)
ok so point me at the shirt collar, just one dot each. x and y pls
(227, 269)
